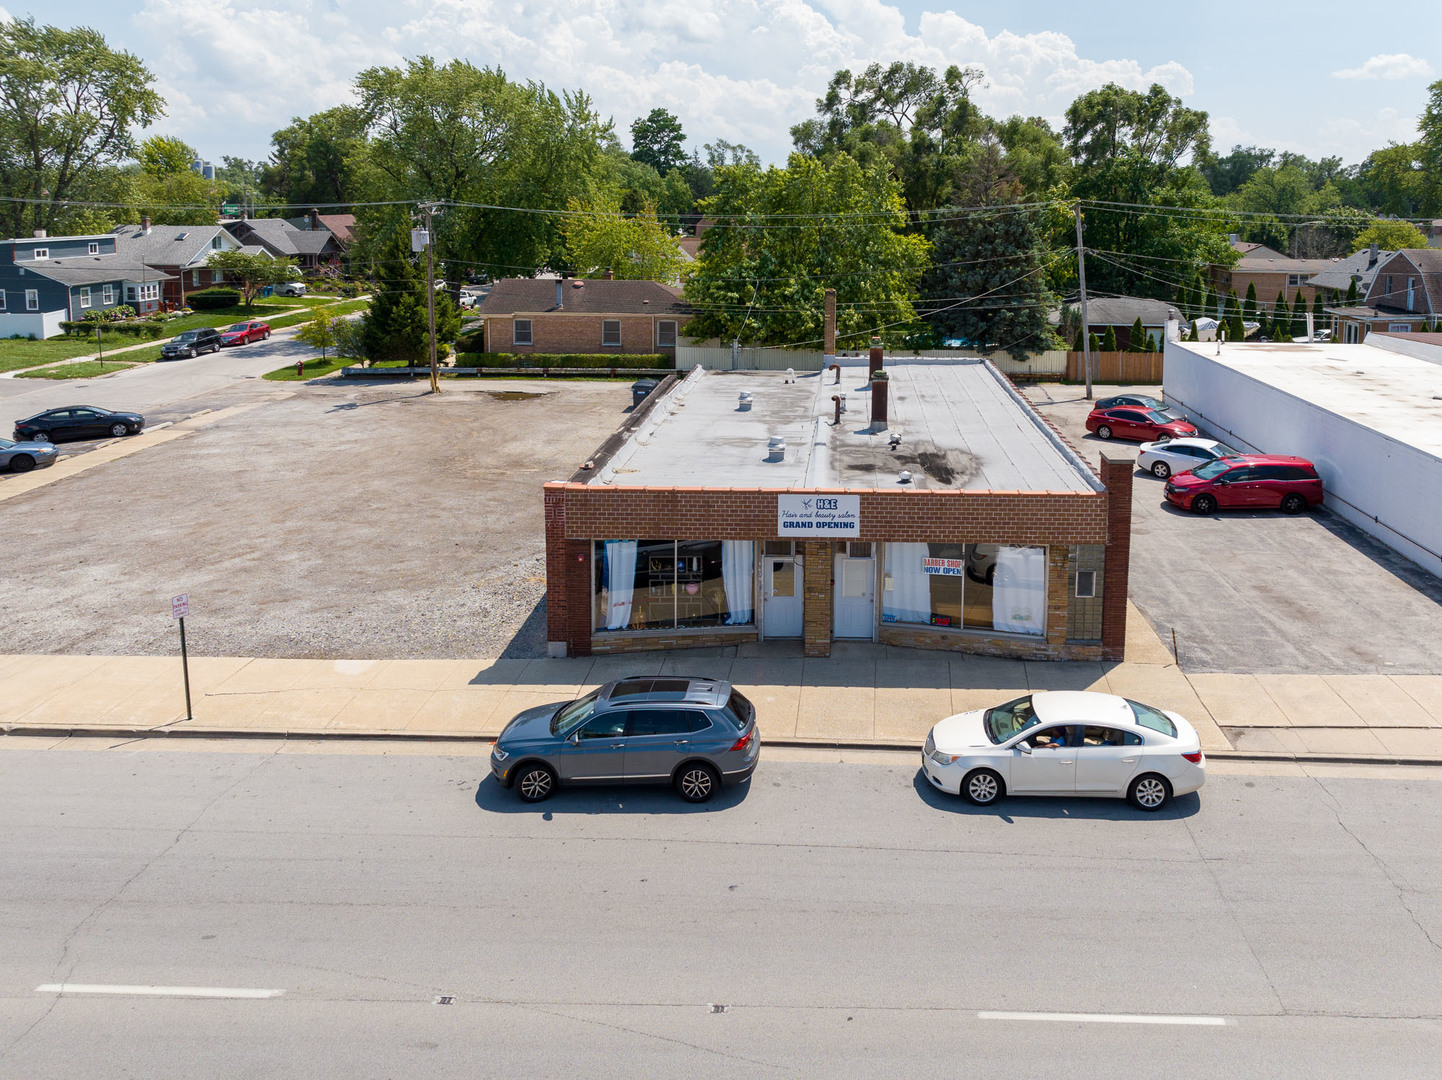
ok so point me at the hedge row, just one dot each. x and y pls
(86, 327)
(212, 299)
(640, 361)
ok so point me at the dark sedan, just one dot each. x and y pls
(78, 422)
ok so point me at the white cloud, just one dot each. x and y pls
(1347, 137)
(1388, 66)
(744, 70)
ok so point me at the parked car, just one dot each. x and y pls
(191, 343)
(78, 422)
(1142, 401)
(1161, 459)
(1066, 742)
(692, 733)
(24, 456)
(1141, 424)
(1250, 480)
(243, 333)
(291, 288)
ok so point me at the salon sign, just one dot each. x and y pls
(944, 567)
(818, 515)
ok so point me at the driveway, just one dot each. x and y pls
(1261, 591)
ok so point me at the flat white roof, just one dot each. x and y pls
(1397, 395)
(961, 425)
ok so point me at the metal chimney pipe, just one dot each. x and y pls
(873, 360)
(878, 403)
(560, 292)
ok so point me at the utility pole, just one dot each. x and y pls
(1081, 273)
(431, 292)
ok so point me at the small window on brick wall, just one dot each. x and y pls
(666, 333)
(521, 332)
(610, 331)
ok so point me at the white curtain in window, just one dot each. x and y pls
(738, 568)
(908, 589)
(1018, 596)
(620, 582)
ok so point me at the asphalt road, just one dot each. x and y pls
(1259, 591)
(855, 924)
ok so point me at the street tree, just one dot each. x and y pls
(251, 271)
(657, 140)
(320, 331)
(762, 273)
(396, 327)
(68, 107)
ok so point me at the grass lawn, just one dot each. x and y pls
(339, 309)
(86, 369)
(18, 354)
(314, 369)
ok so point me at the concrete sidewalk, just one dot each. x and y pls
(862, 695)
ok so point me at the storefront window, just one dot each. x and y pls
(664, 584)
(973, 586)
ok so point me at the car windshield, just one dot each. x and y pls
(5, 444)
(238, 326)
(1157, 418)
(575, 714)
(1212, 469)
(1004, 721)
(1223, 450)
(1149, 717)
(188, 335)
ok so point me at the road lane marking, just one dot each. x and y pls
(158, 991)
(1107, 1018)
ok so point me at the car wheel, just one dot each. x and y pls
(40, 436)
(1293, 504)
(982, 787)
(1161, 470)
(191, 353)
(1149, 792)
(266, 337)
(991, 575)
(22, 463)
(1162, 436)
(119, 430)
(1204, 504)
(535, 782)
(1104, 432)
(697, 782)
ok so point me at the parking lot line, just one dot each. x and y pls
(157, 991)
(1107, 1018)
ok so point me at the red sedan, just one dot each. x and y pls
(243, 333)
(1137, 423)
(1255, 481)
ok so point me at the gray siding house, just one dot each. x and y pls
(47, 280)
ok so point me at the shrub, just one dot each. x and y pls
(213, 299)
(471, 343)
(640, 361)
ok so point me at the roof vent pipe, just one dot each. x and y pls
(743, 401)
(836, 368)
(776, 448)
(836, 399)
(560, 291)
(1372, 254)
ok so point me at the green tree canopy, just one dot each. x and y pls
(165, 155)
(1391, 236)
(396, 327)
(68, 106)
(251, 271)
(600, 238)
(762, 274)
(658, 141)
(315, 161)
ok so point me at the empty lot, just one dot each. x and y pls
(367, 521)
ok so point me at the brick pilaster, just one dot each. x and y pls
(555, 502)
(816, 597)
(1117, 476)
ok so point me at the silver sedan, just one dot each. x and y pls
(24, 456)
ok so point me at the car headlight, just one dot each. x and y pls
(942, 759)
(498, 754)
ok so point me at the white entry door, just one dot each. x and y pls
(781, 603)
(853, 592)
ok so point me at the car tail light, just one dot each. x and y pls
(1195, 759)
(745, 740)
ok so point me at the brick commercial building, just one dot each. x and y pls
(575, 315)
(939, 511)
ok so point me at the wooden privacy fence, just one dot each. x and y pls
(1117, 367)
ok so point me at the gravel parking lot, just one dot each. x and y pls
(366, 521)
(1258, 591)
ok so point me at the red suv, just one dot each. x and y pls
(1253, 480)
(1138, 423)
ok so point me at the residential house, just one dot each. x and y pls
(599, 315)
(1359, 268)
(1405, 296)
(310, 248)
(179, 251)
(1269, 272)
(45, 280)
(1121, 313)
(341, 226)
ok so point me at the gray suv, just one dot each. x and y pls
(191, 343)
(692, 733)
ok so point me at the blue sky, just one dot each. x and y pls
(1322, 79)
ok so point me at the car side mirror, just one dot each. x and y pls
(1023, 748)
(574, 739)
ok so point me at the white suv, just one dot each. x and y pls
(291, 288)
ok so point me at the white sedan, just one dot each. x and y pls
(1066, 742)
(1161, 459)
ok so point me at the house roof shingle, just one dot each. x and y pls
(1339, 275)
(1125, 310)
(282, 237)
(592, 296)
(94, 270)
(165, 245)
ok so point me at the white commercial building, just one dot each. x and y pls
(1369, 416)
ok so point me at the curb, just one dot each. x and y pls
(81, 731)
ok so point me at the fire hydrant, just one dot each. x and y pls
(300, 367)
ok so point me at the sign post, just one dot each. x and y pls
(179, 609)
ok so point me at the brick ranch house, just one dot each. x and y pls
(576, 315)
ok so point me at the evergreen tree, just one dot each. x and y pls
(397, 327)
(1235, 330)
(1199, 296)
(1212, 309)
(1109, 340)
(1299, 315)
(1281, 320)
(1351, 299)
(1184, 298)
(1136, 340)
(1079, 344)
(1249, 305)
(1319, 309)
(1096, 345)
